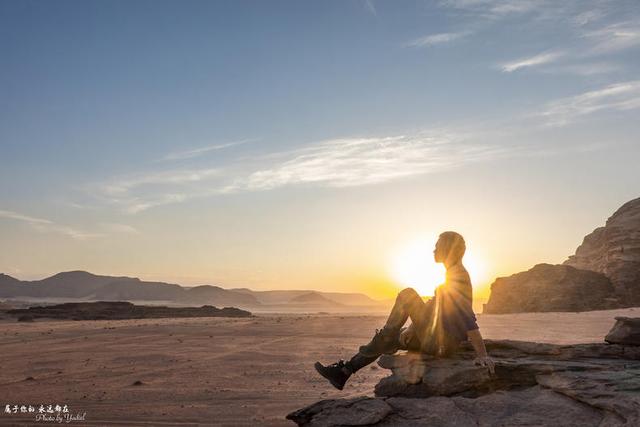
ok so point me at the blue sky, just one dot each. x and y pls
(292, 144)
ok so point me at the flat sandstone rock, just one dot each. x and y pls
(534, 384)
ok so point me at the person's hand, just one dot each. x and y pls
(485, 361)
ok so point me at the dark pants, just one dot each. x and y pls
(408, 305)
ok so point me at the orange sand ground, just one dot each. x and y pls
(214, 371)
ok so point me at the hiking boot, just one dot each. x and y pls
(385, 341)
(337, 373)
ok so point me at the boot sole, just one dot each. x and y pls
(319, 368)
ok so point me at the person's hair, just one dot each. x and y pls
(454, 245)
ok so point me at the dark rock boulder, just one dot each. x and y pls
(547, 287)
(626, 331)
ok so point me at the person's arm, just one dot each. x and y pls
(482, 358)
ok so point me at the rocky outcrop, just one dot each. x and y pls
(547, 287)
(614, 250)
(534, 385)
(626, 331)
(605, 273)
(108, 310)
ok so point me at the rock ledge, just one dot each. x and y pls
(534, 384)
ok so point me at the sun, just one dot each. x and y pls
(413, 266)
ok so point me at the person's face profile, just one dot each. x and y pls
(436, 252)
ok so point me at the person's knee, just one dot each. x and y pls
(407, 295)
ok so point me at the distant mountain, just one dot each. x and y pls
(215, 295)
(285, 296)
(135, 289)
(88, 286)
(9, 286)
(313, 298)
(72, 285)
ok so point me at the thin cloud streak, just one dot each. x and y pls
(180, 176)
(614, 37)
(622, 96)
(45, 225)
(197, 152)
(436, 39)
(533, 61)
(587, 17)
(494, 8)
(370, 7)
(584, 69)
(119, 228)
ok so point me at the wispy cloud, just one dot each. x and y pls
(363, 161)
(532, 61)
(436, 39)
(622, 96)
(125, 184)
(48, 226)
(615, 37)
(45, 225)
(580, 29)
(341, 162)
(119, 228)
(370, 7)
(584, 69)
(494, 8)
(587, 17)
(197, 152)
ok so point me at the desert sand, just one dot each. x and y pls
(215, 371)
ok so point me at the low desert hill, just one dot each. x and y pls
(84, 286)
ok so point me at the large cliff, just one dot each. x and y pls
(614, 250)
(547, 287)
(604, 273)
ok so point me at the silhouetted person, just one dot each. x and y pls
(437, 326)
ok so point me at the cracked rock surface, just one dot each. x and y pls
(534, 385)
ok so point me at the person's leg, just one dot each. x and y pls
(338, 373)
(408, 304)
(359, 361)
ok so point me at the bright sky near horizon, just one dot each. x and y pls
(319, 145)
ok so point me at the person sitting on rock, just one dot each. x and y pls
(437, 326)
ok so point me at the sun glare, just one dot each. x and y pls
(413, 266)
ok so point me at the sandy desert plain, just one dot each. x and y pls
(215, 371)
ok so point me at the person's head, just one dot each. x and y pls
(450, 248)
